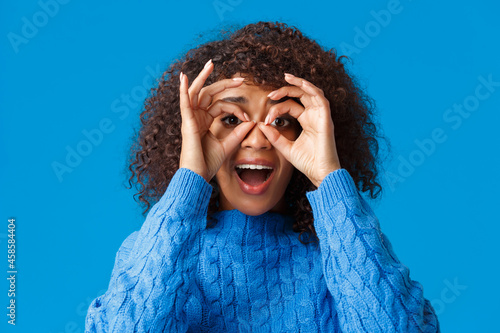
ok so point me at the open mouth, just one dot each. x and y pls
(253, 174)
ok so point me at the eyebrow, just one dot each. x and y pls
(235, 99)
(244, 100)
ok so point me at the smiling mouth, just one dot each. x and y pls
(253, 174)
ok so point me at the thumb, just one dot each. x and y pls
(282, 144)
(234, 138)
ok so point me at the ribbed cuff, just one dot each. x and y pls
(189, 189)
(337, 184)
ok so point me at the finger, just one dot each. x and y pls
(317, 95)
(185, 104)
(198, 83)
(230, 142)
(219, 107)
(189, 124)
(282, 144)
(300, 82)
(289, 106)
(291, 91)
(206, 95)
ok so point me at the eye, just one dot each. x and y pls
(231, 120)
(281, 122)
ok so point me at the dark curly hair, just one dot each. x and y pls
(261, 52)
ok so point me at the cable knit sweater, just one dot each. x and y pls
(252, 274)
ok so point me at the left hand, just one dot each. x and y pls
(314, 152)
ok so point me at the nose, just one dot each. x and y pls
(256, 140)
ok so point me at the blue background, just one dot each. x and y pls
(73, 72)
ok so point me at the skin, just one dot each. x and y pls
(209, 148)
(256, 104)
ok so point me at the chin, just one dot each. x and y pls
(254, 207)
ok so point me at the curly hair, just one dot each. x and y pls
(261, 52)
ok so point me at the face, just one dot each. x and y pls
(253, 179)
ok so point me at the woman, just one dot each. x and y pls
(255, 159)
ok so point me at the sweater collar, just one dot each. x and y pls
(269, 222)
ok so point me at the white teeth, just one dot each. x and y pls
(253, 166)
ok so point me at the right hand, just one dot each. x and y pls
(201, 151)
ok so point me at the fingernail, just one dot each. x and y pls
(246, 117)
(208, 63)
(265, 121)
(180, 76)
(288, 74)
(238, 79)
(271, 94)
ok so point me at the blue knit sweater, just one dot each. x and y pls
(252, 274)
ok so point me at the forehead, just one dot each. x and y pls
(247, 91)
(250, 94)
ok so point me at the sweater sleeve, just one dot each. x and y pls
(372, 289)
(155, 266)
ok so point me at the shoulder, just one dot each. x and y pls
(126, 247)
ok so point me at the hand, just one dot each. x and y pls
(314, 152)
(201, 151)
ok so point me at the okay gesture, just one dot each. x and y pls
(314, 152)
(201, 151)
